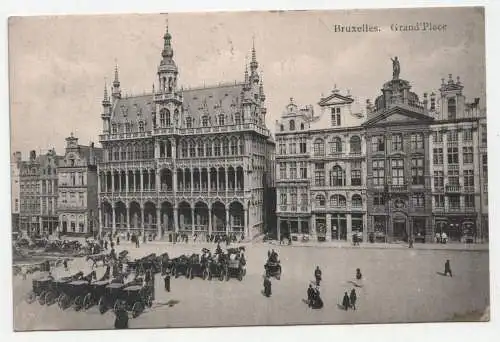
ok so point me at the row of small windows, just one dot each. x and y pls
(339, 201)
(417, 200)
(337, 175)
(397, 171)
(379, 143)
(126, 127)
(130, 152)
(452, 135)
(215, 148)
(166, 121)
(453, 155)
(336, 145)
(453, 178)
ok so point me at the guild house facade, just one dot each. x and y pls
(77, 188)
(191, 161)
(401, 167)
(321, 169)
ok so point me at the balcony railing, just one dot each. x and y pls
(453, 188)
(469, 188)
(398, 188)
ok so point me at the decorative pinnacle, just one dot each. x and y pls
(105, 90)
(116, 82)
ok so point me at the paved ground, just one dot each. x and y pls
(399, 285)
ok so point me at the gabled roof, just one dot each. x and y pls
(398, 114)
(335, 98)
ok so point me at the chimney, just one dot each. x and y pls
(32, 155)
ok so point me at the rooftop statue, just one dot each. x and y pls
(396, 68)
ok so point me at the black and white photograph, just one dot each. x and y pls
(258, 168)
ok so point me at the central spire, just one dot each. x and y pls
(167, 52)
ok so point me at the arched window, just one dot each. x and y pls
(302, 126)
(208, 148)
(192, 148)
(200, 148)
(337, 201)
(204, 120)
(163, 115)
(319, 147)
(216, 148)
(356, 201)
(167, 118)
(141, 126)
(337, 176)
(355, 143)
(335, 145)
(452, 109)
(320, 200)
(221, 120)
(234, 146)
(241, 146)
(237, 119)
(282, 128)
(225, 147)
(176, 116)
(189, 122)
(184, 149)
(292, 125)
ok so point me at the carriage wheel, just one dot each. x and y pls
(65, 302)
(31, 297)
(240, 275)
(78, 303)
(86, 302)
(149, 301)
(59, 300)
(50, 298)
(41, 298)
(117, 305)
(278, 275)
(137, 309)
(102, 305)
(244, 272)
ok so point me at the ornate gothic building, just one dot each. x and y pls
(193, 161)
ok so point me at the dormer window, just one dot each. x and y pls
(292, 125)
(141, 126)
(221, 119)
(189, 122)
(204, 121)
(336, 117)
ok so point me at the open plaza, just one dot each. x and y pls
(398, 285)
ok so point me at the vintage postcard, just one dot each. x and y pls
(249, 168)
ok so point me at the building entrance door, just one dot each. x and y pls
(399, 231)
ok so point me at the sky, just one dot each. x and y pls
(58, 65)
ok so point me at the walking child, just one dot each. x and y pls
(447, 268)
(353, 298)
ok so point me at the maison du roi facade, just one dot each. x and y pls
(193, 161)
(55, 193)
(395, 169)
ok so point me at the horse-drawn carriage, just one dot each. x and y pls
(197, 267)
(73, 293)
(179, 266)
(149, 262)
(235, 264)
(136, 298)
(273, 266)
(134, 295)
(216, 267)
(48, 289)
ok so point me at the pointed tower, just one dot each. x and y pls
(168, 100)
(106, 111)
(116, 93)
(167, 71)
(452, 99)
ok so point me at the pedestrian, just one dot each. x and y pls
(137, 243)
(310, 295)
(65, 264)
(121, 318)
(410, 243)
(447, 268)
(167, 281)
(106, 244)
(267, 286)
(128, 236)
(353, 298)
(317, 275)
(358, 274)
(345, 301)
(118, 240)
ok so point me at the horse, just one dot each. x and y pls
(96, 258)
